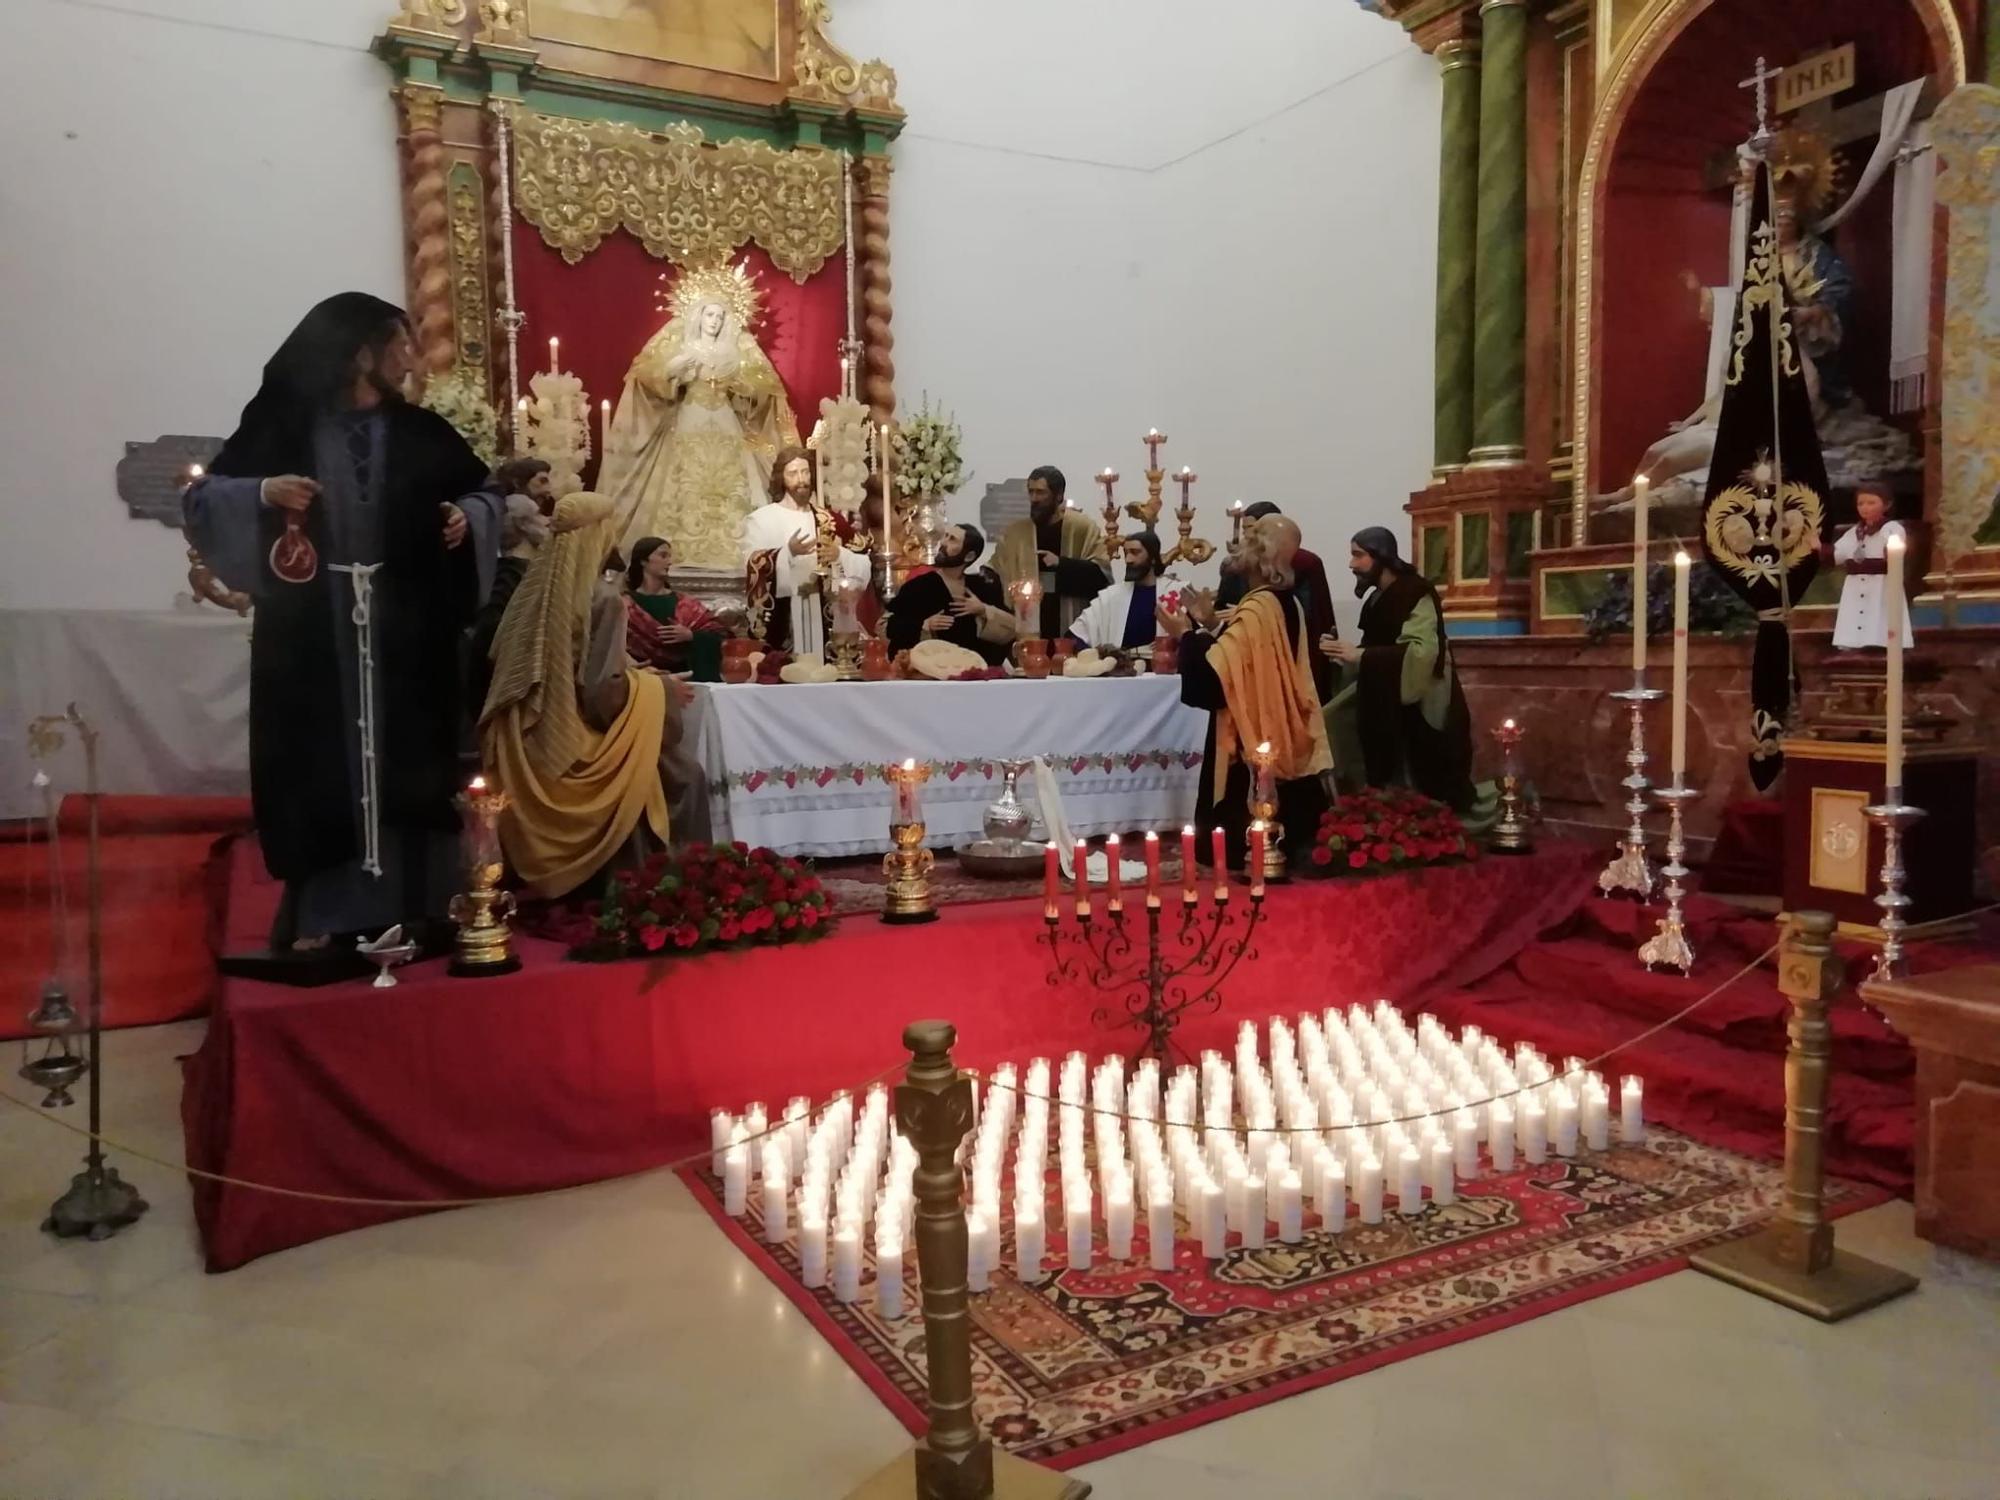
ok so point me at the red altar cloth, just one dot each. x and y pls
(567, 1073)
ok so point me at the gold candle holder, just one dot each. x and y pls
(1190, 548)
(1510, 834)
(1264, 815)
(844, 640)
(1108, 477)
(908, 863)
(485, 943)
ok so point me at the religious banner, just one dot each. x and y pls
(1766, 501)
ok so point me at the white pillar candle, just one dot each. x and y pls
(1332, 1195)
(1596, 1110)
(1465, 1143)
(1160, 1227)
(812, 1252)
(1641, 508)
(1409, 1181)
(1631, 1115)
(889, 1279)
(1076, 1219)
(1563, 1123)
(1118, 1220)
(777, 1214)
(846, 1264)
(1215, 1231)
(1254, 1210)
(1896, 622)
(1500, 1137)
(1368, 1190)
(1532, 1129)
(1682, 563)
(1234, 1188)
(1291, 1210)
(1028, 1244)
(720, 1125)
(1444, 1189)
(978, 1269)
(736, 1180)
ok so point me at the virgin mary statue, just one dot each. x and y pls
(702, 416)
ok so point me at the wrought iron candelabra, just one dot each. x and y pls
(1668, 947)
(1154, 985)
(1631, 868)
(1892, 815)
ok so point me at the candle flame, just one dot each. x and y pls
(1682, 560)
(909, 765)
(1188, 830)
(195, 471)
(1264, 747)
(478, 784)
(1507, 724)
(1893, 542)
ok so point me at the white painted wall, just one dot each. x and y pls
(1107, 216)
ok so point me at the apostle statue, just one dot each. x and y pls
(664, 627)
(954, 601)
(701, 416)
(337, 505)
(792, 549)
(1862, 552)
(1250, 668)
(579, 738)
(1398, 717)
(1126, 614)
(1309, 583)
(1060, 550)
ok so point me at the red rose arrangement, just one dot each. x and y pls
(704, 897)
(1388, 828)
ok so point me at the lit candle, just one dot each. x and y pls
(888, 480)
(1256, 860)
(1028, 1243)
(1332, 1193)
(1500, 1137)
(1076, 1223)
(1160, 1226)
(1631, 1114)
(1682, 563)
(1220, 854)
(720, 1124)
(776, 1209)
(1532, 1127)
(604, 426)
(555, 361)
(908, 809)
(1187, 864)
(1563, 1123)
(1291, 1210)
(1641, 506)
(1214, 1234)
(1465, 1143)
(1444, 1187)
(846, 1263)
(889, 1278)
(1368, 1190)
(1596, 1118)
(1118, 1216)
(736, 1178)
(1152, 869)
(1051, 881)
(1113, 892)
(1897, 620)
(1254, 1211)
(1080, 872)
(812, 1252)
(978, 1270)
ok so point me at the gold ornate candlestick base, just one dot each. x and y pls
(908, 863)
(485, 943)
(1264, 816)
(846, 649)
(1669, 947)
(1510, 835)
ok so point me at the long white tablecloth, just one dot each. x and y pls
(798, 768)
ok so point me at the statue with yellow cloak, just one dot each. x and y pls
(702, 416)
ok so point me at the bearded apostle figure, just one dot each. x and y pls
(702, 414)
(1250, 667)
(792, 550)
(1060, 550)
(1398, 717)
(582, 741)
(352, 516)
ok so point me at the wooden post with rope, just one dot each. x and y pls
(953, 1460)
(1793, 1260)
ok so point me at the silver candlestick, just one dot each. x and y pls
(1631, 868)
(1892, 815)
(1669, 947)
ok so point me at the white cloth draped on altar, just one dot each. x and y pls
(798, 768)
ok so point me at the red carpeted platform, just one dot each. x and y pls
(566, 1073)
(163, 861)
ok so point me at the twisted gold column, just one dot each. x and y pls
(428, 213)
(878, 384)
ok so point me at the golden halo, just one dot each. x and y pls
(732, 286)
(1802, 160)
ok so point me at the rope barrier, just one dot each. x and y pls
(352, 1201)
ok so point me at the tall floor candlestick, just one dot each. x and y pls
(1669, 947)
(1631, 868)
(1893, 814)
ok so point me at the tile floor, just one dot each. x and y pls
(611, 1344)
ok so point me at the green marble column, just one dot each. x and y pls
(1500, 324)
(1458, 222)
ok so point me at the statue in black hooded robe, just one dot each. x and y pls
(337, 499)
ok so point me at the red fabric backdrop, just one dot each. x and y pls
(607, 305)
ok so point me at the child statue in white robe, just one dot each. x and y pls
(1863, 552)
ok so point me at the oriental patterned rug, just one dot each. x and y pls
(1090, 1363)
